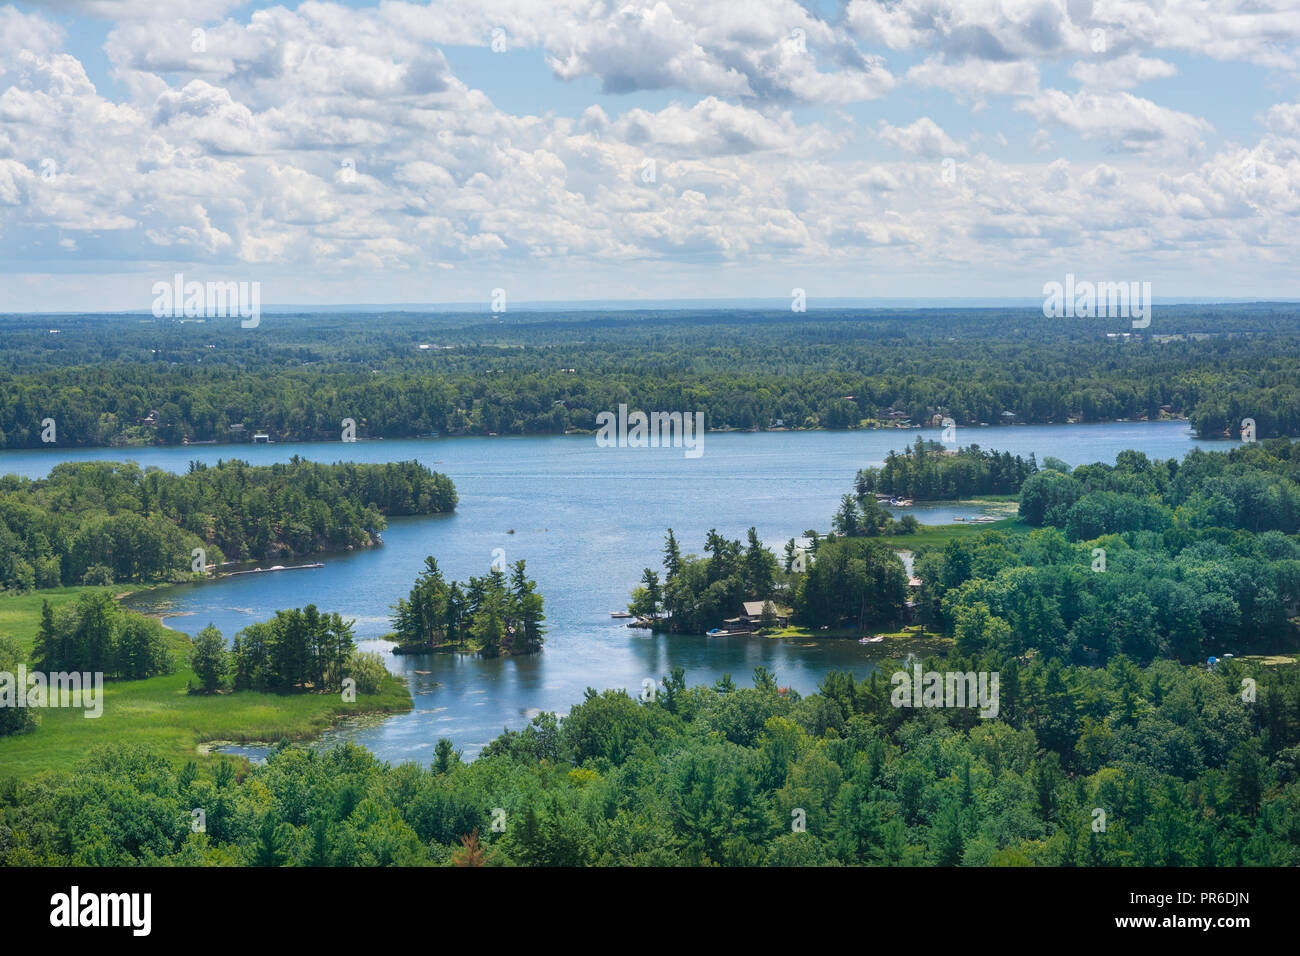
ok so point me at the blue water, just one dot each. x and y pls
(587, 520)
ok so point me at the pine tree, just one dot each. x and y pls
(48, 652)
(672, 558)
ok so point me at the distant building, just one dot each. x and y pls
(261, 438)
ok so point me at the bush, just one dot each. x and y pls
(368, 670)
(14, 720)
(97, 575)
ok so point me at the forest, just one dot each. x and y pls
(139, 380)
(1143, 559)
(112, 522)
(1119, 765)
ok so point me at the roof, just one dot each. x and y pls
(754, 608)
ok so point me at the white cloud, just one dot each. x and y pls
(713, 127)
(1125, 121)
(1124, 72)
(1284, 119)
(923, 138)
(973, 81)
(323, 141)
(1262, 31)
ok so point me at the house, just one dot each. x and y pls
(752, 613)
(261, 438)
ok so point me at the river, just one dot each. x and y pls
(587, 520)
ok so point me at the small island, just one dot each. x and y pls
(493, 616)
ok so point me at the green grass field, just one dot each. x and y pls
(937, 535)
(159, 713)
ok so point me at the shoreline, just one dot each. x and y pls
(587, 433)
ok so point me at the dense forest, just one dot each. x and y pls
(111, 522)
(1143, 559)
(492, 616)
(107, 380)
(1084, 766)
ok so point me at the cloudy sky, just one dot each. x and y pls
(621, 149)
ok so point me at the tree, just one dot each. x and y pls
(1246, 771)
(672, 557)
(48, 651)
(760, 568)
(471, 852)
(647, 598)
(15, 716)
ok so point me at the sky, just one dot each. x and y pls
(398, 152)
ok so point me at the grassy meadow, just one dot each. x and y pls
(159, 712)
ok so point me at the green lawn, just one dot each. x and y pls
(937, 535)
(1271, 660)
(812, 632)
(20, 614)
(158, 711)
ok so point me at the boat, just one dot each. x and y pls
(619, 614)
(871, 640)
(278, 567)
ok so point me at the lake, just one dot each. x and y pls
(587, 520)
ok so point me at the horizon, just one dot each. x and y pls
(673, 305)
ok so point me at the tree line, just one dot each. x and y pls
(93, 633)
(106, 380)
(102, 522)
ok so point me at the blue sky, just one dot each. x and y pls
(362, 152)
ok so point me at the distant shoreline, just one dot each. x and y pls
(587, 433)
